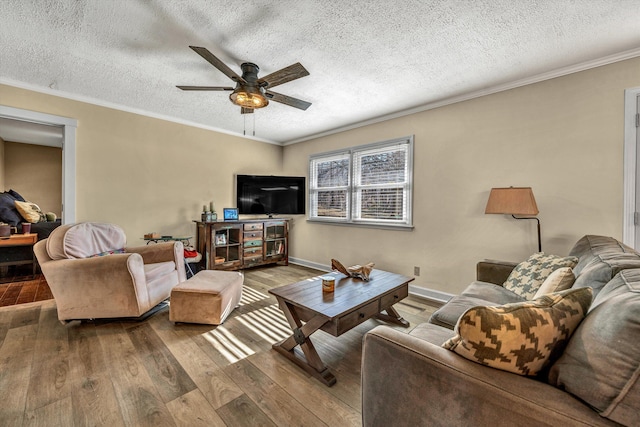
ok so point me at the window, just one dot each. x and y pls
(366, 185)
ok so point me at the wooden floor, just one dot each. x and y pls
(155, 373)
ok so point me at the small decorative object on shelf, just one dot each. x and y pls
(358, 271)
(208, 214)
(230, 214)
(152, 236)
(212, 211)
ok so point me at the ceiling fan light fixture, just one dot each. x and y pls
(249, 97)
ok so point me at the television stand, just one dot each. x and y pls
(236, 245)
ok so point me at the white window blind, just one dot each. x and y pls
(381, 184)
(368, 185)
(329, 191)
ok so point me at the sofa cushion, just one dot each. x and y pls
(477, 293)
(602, 268)
(447, 316)
(590, 246)
(490, 292)
(84, 240)
(523, 338)
(434, 334)
(527, 277)
(559, 280)
(601, 364)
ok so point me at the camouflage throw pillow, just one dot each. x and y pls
(529, 275)
(524, 337)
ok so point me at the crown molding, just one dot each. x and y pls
(119, 107)
(583, 66)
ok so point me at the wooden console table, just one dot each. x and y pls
(352, 302)
(234, 245)
(28, 257)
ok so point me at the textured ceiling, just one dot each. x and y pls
(367, 59)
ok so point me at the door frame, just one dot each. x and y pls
(68, 146)
(631, 167)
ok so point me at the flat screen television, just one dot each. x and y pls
(270, 195)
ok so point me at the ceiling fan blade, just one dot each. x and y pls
(288, 100)
(246, 110)
(287, 74)
(204, 88)
(213, 60)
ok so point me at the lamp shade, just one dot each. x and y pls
(512, 201)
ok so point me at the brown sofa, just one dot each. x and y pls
(596, 381)
(92, 274)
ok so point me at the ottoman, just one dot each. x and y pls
(208, 297)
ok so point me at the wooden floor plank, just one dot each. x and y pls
(192, 409)
(169, 377)
(139, 402)
(16, 361)
(86, 357)
(272, 399)
(212, 382)
(50, 380)
(54, 414)
(243, 412)
(25, 315)
(310, 393)
(94, 401)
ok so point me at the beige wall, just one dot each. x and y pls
(146, 174)
(563, 137)
(35, 172)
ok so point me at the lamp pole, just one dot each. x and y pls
(539, 241)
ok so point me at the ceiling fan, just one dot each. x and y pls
(250, 91)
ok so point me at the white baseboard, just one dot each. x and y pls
(430, 294)
(419, 291)
(309, 264)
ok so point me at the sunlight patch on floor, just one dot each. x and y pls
(250, 296)
(230, 346)
(268, 323)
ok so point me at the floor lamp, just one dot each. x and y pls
(514, 201)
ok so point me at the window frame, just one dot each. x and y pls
(352, 189)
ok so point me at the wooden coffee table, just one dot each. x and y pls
(308, 309)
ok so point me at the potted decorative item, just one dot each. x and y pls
(204, 217)
(212, 210)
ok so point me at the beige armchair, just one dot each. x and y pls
(92, 274)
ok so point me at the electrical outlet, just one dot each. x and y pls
(416, 271)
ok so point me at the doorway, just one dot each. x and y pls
(68, 145)
(631, 211)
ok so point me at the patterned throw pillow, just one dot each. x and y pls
(30, 211)
(528, 276)
(523, 337)
(561, 279)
